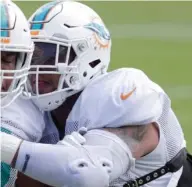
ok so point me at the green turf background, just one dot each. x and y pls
(155, 37)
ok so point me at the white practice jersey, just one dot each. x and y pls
(128, 97)
(22, 119)
(51, 133)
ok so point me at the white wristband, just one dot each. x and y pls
(9, 147)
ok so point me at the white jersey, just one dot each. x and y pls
(22, 119)
(128, 97)
(51, 133)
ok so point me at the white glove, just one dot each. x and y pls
(74, 139)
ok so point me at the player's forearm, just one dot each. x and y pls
(92, 165)
(55, 165)
(44, 162)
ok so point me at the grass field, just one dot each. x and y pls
(155, 37)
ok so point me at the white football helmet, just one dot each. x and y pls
(15, 37)
(72, 41)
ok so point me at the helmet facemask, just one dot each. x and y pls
(12, 81)
(53, 73)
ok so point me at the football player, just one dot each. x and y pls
(19, 117)
(48, 36)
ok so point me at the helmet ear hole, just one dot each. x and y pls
(95, 63)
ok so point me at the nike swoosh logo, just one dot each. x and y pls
(126, 96)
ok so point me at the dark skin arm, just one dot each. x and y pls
(23, 181)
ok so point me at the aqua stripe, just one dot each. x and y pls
(41, 15)
(5, 168)
(36, 26)
(4, 23)
(4, 33)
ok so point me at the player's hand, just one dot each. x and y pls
(75, 139)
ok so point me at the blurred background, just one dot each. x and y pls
(155, 37)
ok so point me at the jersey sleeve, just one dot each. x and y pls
(8, 175)
(24, 120)
(120, 98)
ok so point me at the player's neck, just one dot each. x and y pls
(61, 114)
